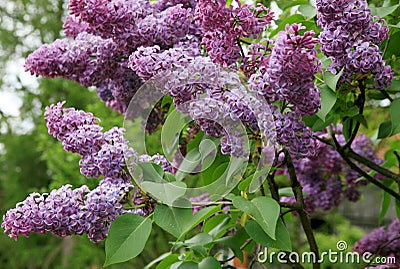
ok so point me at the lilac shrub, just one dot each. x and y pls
(350, 37)
(256, 95)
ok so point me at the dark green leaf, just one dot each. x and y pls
(331, 80)
(328, 100)
(200, 239)
(157, 260)
(308, 11)
(167, 192)
(264, 210)
(178, 221)
(287, 3)
(168, 261)
(282, 241)
(220, 228)
(286, 191)
(289, 20)
(395, 116)
(385, 129)
(188, 265)
(127, 237)
(172, 219)
(209, 263)
(351, 112)
(383, 11)
(384, 207)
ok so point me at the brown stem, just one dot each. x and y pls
(372, 165)
(305, 221)
(353, 166)
(353, 155)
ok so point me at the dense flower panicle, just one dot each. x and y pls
(382, 241)
(62, 123)
(112, 19)
(221, 47)
(150, 61)
(164, 4)
(91, 61)
(167, 27)
(213, 14)
(56, 212)
(73, 26)
(350, 37)
(102, 153)
(81, 60)
(103, 205)
(67, 211)
(293, 134)
(257, 58)
(291, 70)
(225, 25)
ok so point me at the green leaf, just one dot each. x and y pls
(385, 129)
(264, 210)
(331, 80)
(384, 207)
(167, 192)
(172, 219)
(170, 132)
(234, 242)
(395, 116)
(282, 241)
(320, 124)
(288, 3)
(157, 260)
(178, 221)
(383, 11)
(151, 172)
(126, 238)
(168, 261)
(200, 239)
(395, 86)
(397, 203)
(188, 265)
(308, 11)
(328, 100)
(393, 47)
(209, 263)
(217, 229)
(287, 191)
(289, 20)
(351, 112)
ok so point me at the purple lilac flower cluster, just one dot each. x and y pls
(91, 61)
(102, 153)
(382, 242)
(350, 37)
(327, 179)
(102, 35)
(66, 211)
(287, 74)
(224, 27)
